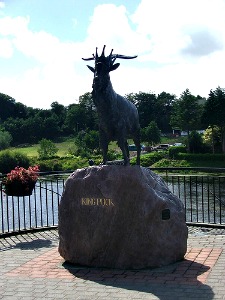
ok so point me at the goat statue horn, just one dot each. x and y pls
(124, 56)
(103, 51)
(91, 58)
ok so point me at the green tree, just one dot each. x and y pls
(75, 118)
(51, 128)
(58, 109)
(91, 140)
(87, 142)
(7, 105)
(91, 117)
(14, 127)
(152, 133)
(11, 109)
(59, 113)
(47, 149)
(33, 129)
(146, 104)
(153, 108)
(214, 112)
(212, 137)
(5, 139)
(21, 110)
(186, 113)
(196, 144)
(163, 109)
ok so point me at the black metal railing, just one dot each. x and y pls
(202, 191)
(38, 211)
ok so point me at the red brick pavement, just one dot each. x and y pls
(194, 269)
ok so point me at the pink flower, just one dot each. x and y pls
(23, 175)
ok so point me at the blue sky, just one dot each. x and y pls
(180, 44)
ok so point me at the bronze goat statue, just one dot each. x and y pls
(118, 117)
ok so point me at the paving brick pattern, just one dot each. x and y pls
(31, 268)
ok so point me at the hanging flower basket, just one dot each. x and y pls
(20, 181)
(19, 188)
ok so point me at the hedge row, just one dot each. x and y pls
(175, 150)
(201, 157)
(149, 159)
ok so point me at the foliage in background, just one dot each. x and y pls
(148, 159)
(9, 160)
(87, 143)
(47, 149)
(186, 113)
(151, 134)
(212, 138)
(171, 163)
(173, 151)
(63, 163)
(196, 144)
(201, 157)
(214, 112)
(5, 139)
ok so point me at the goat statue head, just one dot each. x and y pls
(104, 64)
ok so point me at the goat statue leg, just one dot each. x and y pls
(104, 146)
(137, 142)
(127, 149)
(124, 148)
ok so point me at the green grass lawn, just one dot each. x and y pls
(65, 147)
(32, 151)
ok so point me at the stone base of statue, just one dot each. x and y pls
(120, 217)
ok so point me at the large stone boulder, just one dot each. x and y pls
(120, 217)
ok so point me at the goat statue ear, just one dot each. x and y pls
(91, 68)
(114, 67)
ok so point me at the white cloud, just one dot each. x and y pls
(6, 49)
(110, 25)
(59, 68)
(13, 26)
(2, 4)
(180, 44)
(174, 25)
(40, 45)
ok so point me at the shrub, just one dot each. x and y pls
(149, 159)
(9, 160)
(201, 157)
(170, 163)
(50, 165)
(87, 143)
(113, 155)
(63, 164)
(76, 163)
(173, 151)
(82, 152)
(47, 149)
